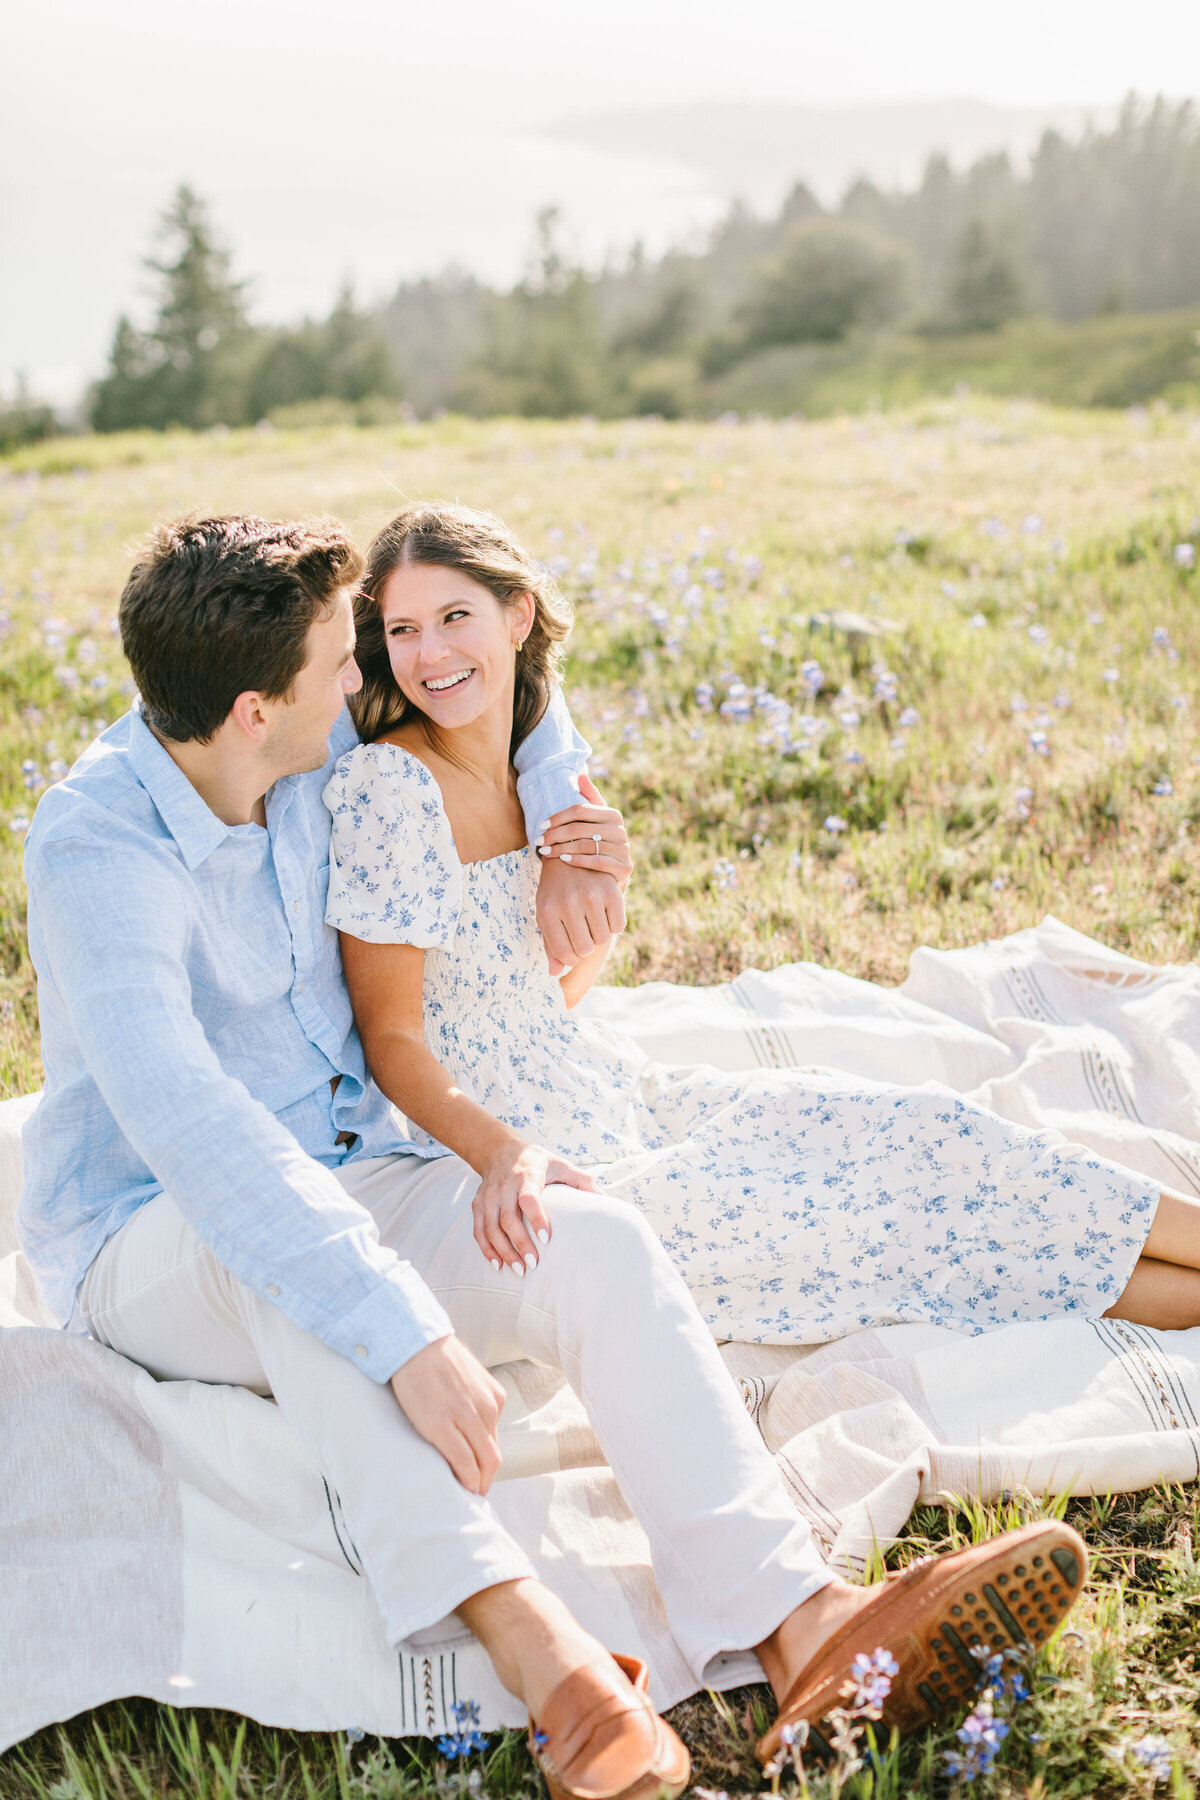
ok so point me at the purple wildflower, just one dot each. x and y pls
(872, 1678)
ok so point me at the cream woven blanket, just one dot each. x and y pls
(169, 1539)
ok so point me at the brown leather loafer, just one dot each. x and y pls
(599, 1738)
(1012, 1591)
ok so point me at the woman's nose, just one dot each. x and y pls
(434, 648)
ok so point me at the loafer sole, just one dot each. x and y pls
(941, 1620)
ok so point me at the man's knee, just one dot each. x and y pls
(599, 1228)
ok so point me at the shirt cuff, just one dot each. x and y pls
(398, 1318)
(549, 789)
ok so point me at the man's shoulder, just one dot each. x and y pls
(100, 802)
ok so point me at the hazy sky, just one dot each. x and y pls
(380, 138)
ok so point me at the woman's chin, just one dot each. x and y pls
(450, 715)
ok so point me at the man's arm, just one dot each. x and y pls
(578, 910)
(113, 937)
(549, 764)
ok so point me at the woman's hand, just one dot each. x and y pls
(508, 1204)
(590, 836)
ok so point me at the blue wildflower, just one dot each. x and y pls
(1154, 1754)
(981, 1735)
(468, 1738)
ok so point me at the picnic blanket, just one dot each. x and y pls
(171, 1540)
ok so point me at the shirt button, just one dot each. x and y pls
(360, 1349)
(295, 906)
(272, 1290)
(299, 987)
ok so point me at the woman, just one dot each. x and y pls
(799, 1205)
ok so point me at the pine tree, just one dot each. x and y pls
(200, 308)
(119, 401)
(985, 285)
(178, 372)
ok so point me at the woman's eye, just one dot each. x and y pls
(459, 612)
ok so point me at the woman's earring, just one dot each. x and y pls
(520, 641)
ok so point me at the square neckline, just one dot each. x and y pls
(480, 862)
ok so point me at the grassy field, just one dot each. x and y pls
(1115, 359)
(907, 678)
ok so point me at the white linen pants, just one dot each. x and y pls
(605, 1305)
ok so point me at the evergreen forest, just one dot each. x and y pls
(1075, 279)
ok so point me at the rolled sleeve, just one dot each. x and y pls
(549, 764)
(114, 938)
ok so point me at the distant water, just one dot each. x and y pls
(462, 198)
(309, 187)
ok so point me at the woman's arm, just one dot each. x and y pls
(386, 984)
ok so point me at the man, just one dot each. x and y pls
(217, 1190)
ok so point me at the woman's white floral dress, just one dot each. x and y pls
(799, 1204)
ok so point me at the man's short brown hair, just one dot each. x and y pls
(215, 608)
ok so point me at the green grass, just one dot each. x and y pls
(1119, 359)
(705, 554)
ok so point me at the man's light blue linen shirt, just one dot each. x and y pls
(194, 1020)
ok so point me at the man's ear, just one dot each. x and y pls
(248, 715)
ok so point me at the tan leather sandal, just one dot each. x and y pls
(1012, 1591)
(599, 1738)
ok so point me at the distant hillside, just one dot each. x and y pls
(757, 152)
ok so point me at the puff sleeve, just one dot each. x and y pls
(394, 873)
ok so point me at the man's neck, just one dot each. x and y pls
(231, 791)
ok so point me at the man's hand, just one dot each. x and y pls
(578, 911)
(581, 909)
(450, 1399)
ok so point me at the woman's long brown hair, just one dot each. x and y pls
(443, 535)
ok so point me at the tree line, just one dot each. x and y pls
(202, 363)
(1108, 222)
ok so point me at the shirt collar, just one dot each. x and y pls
(194, 826)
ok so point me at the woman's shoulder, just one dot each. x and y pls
(387, 771)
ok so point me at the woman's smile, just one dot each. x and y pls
(438, 684)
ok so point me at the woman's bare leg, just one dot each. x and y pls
(1175, 1234)
(1163, 1294)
